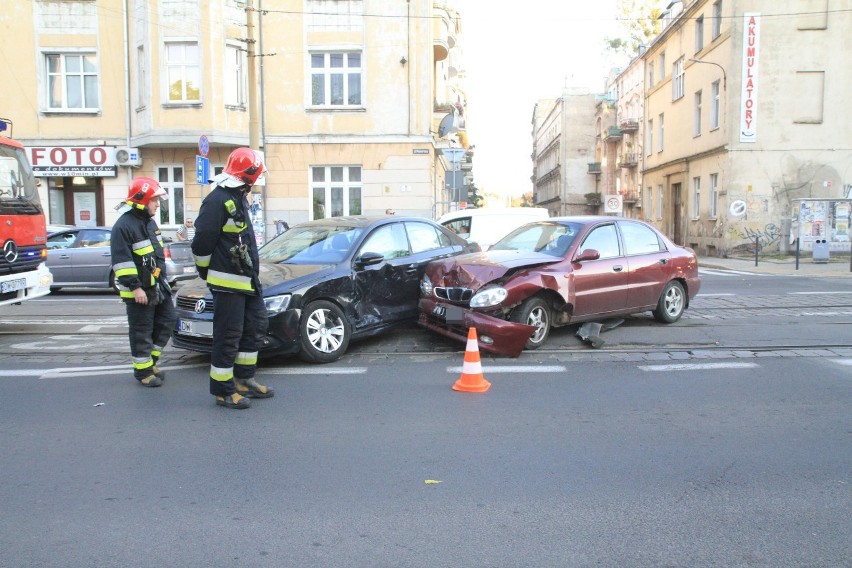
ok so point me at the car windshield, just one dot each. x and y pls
(311, 244)
(544, 237)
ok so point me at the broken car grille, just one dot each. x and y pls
(454, 294)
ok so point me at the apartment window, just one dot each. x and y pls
(650, 144)
(650, 75)
(677, 79)
(662, 126)
(696, 197)
(649, 203)
(696, 117)
(717, 19)
(714, 195)
(336, 191)
(183, 72)
(72, 81)
(659, 202)
(236, 82)
(715, 105)
(335, 16)
(662, 65)
(336, 79)
(699, 33)
(171, 210)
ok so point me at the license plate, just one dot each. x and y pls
(189, 270)
(195, 328)
(448, 314)
(13, 285)
(439, 311)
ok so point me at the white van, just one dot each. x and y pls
(488, 225)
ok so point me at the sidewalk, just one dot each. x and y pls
(837, 266)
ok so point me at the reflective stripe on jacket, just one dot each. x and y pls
(136, 241)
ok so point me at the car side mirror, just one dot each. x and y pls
(588, 254)
(369, 259)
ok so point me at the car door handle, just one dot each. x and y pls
(106, 254)
(617, 268)
(664, 261)
(411, 269)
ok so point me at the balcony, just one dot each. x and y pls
(595, 168)
(630, 160)
(630, 197)
(612, 134)
(629, 125)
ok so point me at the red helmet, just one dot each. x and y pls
(142, 190)
(245, 165)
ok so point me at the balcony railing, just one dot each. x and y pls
(630, 197)
(594, 167)
(629, 125)
(630, 160)
(612, 133)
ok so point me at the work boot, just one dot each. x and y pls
(151, 381)
(253, 389)
(235, 400)
(159, 373)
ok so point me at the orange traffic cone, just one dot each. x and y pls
(471, 379)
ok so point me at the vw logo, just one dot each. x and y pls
(10, 251)
(199, 306)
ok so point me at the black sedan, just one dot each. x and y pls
(329, 281)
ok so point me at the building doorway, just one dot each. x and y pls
(677, 214)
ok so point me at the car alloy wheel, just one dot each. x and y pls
(671, 304)
(536, 312)
(324, 333)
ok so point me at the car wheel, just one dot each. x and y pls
(534, 311)
(672, 303)
(324, 333)
(113, 281)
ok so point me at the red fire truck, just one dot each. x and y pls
(23, 234)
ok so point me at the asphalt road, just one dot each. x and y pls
(640, 454)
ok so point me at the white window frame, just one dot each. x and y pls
(174, 188)
(63, 75)
(714, 195)
(699, 33)
(716, 30)
(696, 198)
(715, 105)
(662, 65)
(650, 145)
(660, 202)
(677, 79)
(662, 126)
(235, 76)
(326, 73)
(185, 67)
(345, 186)
(696, 117)
(650, 75)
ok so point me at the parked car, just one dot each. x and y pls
(557, 272)
(80, 257)
(328, 282)
(488, 225)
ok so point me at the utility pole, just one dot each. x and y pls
(254, 122)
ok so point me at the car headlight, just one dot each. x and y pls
(426, 286)
(276, 304)
(488, 297)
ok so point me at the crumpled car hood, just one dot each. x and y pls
(477, 269)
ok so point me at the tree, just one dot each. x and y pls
(639, 22)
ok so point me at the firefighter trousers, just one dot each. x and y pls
(150, 330)
(239, 326)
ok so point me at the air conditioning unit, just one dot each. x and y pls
(128, 157)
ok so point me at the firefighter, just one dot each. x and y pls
(139, 265)
(225, 253)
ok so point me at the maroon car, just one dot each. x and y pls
(556, 272)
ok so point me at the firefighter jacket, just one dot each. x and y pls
(138, 259)
(224, 246)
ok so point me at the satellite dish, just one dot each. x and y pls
(449, 124)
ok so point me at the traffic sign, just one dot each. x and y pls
(203, 145)
(202, 170)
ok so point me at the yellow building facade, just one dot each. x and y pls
(343, 97)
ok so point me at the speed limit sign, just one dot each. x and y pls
(612, 203)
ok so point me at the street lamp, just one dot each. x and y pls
(724, 75)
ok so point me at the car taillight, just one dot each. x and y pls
(167, 252)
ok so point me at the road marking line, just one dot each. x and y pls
(313, 371)
(714, 295)
(847, 362)
(518, 369)
(814, 293)
(697, 366)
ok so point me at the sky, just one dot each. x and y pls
(513, 59)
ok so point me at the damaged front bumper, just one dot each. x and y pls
(495, 335)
